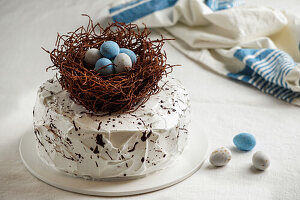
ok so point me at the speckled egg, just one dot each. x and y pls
(244, 141)
(122, 63)
(109, 49)
(91, 56)
(220, 157)
(104, 67)
(130, 53)
(260, 160)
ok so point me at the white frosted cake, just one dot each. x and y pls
(92, 145)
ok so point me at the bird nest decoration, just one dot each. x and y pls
(125, 91)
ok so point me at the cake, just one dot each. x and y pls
(75, 140)
(76, 132)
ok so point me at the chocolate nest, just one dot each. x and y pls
(125, 91)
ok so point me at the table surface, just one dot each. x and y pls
(225, 108)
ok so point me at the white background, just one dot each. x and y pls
(226, 108)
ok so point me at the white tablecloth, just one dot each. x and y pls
(224, 108)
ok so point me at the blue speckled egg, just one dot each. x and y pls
(244, 141)
(130, 53)
(104, 66)
(110, 49)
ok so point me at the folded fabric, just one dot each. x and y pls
(223, 4)
(267, 69)
(255, 45)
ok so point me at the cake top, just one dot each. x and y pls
(162, 111)
(123, 78)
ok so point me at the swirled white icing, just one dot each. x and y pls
(129, 145)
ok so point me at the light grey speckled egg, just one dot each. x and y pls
(91, 56)
(122, 63)
(260, 160)
(220, 157)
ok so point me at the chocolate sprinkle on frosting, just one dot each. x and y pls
(131, 150)
(99, 140)
(96, 151)
(76, 129)
(145, 137)
(99, 126)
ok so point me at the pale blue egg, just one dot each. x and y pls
(244, 141)
(104, 67)
(130, 53)
(110, 49)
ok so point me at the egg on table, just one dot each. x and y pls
(244, 141)
(110, 49)
(220, 157)
(260, 160)
(92, 55)
(104, 67)
(122, 63)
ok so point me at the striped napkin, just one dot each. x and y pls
(223, 4)
(255, 45)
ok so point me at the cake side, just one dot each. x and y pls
(82, 143)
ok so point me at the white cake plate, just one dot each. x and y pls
(186, 165)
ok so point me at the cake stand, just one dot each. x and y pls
(187, 164)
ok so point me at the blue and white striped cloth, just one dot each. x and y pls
(223, 4)
(266, 70)
(207, 28)
(137, 9)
